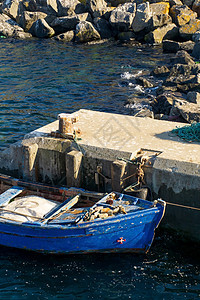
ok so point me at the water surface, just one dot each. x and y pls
(38, 80)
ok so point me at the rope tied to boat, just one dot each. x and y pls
(183, 206)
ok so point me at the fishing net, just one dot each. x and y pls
(190, 133)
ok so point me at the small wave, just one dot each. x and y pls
(127, 75)
(138, 106)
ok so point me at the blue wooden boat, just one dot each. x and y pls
(115, 223)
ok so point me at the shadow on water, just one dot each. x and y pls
(169, 271)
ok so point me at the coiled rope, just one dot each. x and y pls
(190, 133)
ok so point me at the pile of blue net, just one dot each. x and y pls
(190, 133)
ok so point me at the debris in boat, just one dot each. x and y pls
(103, 212)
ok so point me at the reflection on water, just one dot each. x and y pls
(166, 272)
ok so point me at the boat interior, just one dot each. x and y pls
(63, 206)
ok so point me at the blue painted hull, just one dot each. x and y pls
(136, 230)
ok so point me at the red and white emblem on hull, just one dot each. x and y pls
(121, 240)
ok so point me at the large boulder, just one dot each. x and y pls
(70, 7)
(196, 7)
(165, 32)
(160, 14)
(174, 46)
(121, 18)
(9, 28)
(162, 71)
(196, 50)
(184, 70)
(63, 24)
(189, 111)
(193, 97)
(47, 6)
(182, 14)
(103, 27)
(27, 19)
(65, 37)
(10, 8)
(85, 32)
(142, 18)
(184, 77)
(163, 103)
(41, 29)
(182, 57)
(196, 36)
(96, 7)
(186, 31)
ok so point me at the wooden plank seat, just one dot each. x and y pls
(9, 195)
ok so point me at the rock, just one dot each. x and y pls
(160, 71)
(116, 3)
(10, 8)
(173, 46)
(126, 36)
(103, 27)
(182, 14)
(70, 7)
(196, 50)
(184, 84)
(65, 37)
(41, 29)
(196, 36)
(175, 2)
(188, 2)
(142, 17)
(47, 6)
(22, 35)
(160, 14)
(9, 28)
(189, 111)
(85, 32)
(165, 32)
(184, 77)
(196, 7)
(193, 97)
(184, 70)
(96, 7)
(29, 5)
(182, 57)
(163, 103)
(106, 12)
(27, 19)
(121, 18)
(144, 82)
(186, 31)
(63, 24)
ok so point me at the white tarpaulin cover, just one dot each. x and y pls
(29, 205)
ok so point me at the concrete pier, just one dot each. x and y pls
(100, 161)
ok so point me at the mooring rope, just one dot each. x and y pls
(183, 206)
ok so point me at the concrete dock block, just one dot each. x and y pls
(118, 169)
(73, 160)
(29, 154)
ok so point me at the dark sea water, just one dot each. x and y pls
(38, 80)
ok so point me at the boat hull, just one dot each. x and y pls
(129, 233)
